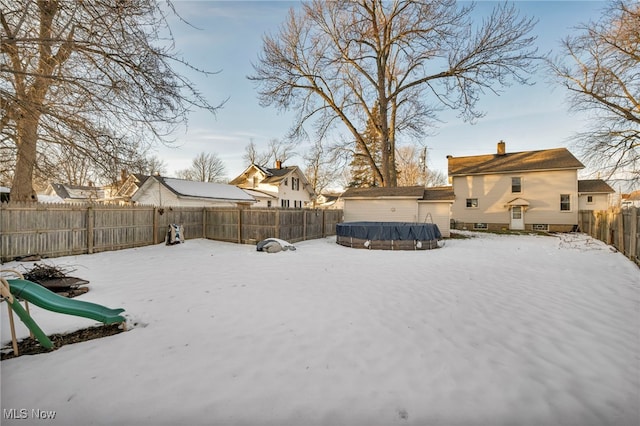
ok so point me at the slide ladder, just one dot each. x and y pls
(30, 292)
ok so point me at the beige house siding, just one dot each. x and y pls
(398, 210)
(599, 202)
(541, 189)
(380, 210)
(440, 215)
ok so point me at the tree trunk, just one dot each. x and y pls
(22, 186)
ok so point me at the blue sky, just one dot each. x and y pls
(228, 38)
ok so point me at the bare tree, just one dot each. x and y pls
(413, 168)
(151, 166)
(321, 169)
(205, 168)
(600, 68)
(334, 61)
(277, 150)
(87, 73)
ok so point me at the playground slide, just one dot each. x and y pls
(40, 296)
(31, 324)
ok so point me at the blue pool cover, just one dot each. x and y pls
(387, 231)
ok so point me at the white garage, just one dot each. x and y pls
(415, 204)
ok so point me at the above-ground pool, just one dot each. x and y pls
(388, 235)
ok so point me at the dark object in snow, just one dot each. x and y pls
(388, 235)
(274, 245)
(56, 279)
(175, 234)
(29, 258)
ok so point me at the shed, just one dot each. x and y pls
(415, 204)
(161, 191)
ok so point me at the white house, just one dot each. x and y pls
(594, 194)
(278, 187)
(415, 204)
(534, 190)
(74, 193)
(161, 191)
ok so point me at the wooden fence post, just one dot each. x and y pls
(633, 234)
(155, 225)
(90, 226)
(620, 220)
(324, 223)
(239, 225)
(304, 225)
(204, 222)
(277, 230)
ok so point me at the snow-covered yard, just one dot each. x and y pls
(492, 330)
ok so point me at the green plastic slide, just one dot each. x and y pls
(31, 324)
(46, 299)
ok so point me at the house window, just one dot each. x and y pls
(286, 181)
(589, 199)
(268, 203)
(516, 184)
(480, 226)
(472, 203)
(295, 183)
(540, 227)
(565, 202)
(255, 181)
(284, 203)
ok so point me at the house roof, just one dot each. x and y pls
(210, 190)
(441, 193)
(260, 194)
(77, 192)
(377, 192)
(548, 159)
(594, 186)
(272, 176)
(275, 176)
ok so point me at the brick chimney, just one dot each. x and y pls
(278, 164)
(502, 148)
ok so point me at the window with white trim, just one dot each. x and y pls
(480, 226)
(516, 184)
(565, 202)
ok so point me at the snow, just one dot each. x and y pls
(491, 330)
(208, 189)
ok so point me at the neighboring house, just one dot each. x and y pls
(129, 186)
(594, 194)
(75, 193)
(534, 190)
(168, 192)
(278, 187)
(331, 200)
(4, 194)
(630, 200)
(402, 204)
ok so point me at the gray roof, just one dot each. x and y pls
(548, 159)
(441, 193)
(219, 191)
(77, 192)
(594, 186)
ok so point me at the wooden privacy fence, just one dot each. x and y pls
(618, 227)
(52, 230)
